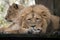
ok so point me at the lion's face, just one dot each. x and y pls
(34, 22)
(12, 12)
(34, 19)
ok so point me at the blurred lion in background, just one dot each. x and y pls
(34, 19)
(12, 12)
(12, 15)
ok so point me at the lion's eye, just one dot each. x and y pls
(37, 18)
(9, 11)
(29, 19)
(44, 15)
(42, 12)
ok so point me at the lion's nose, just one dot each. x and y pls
(33, 26)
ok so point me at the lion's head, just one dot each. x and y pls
(35, 19)
(12, 12)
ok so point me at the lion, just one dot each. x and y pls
(36, 19)
(12, 12)
(12, 15)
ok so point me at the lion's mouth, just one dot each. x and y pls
(34, 31)
(8, 20)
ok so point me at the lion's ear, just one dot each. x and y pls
(15, 6)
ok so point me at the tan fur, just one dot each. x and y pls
(55, 21)
(42, 12)
(39, 11)
(12, 12)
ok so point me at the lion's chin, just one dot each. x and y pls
(33, 31)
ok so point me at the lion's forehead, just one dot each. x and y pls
(36, 9)
(33, 15)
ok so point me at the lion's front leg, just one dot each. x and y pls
(23, 31)
(12, 29)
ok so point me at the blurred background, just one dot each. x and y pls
(53, 5)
